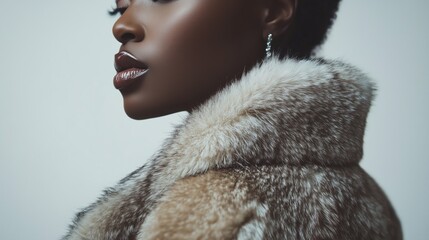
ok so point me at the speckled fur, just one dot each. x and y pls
(274, 155)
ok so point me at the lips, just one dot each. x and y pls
(129, 70)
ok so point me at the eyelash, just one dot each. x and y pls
(121, 10)
(117, 10)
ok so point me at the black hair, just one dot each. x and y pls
(308, 30)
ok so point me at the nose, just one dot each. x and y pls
(127, 29)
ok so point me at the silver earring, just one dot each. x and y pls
(268, 53)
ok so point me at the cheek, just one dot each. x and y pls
(209, 29)
(203, 46)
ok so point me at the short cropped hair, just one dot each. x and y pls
(312, 21)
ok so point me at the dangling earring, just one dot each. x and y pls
(268, 53)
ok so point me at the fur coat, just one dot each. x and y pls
(273, 155)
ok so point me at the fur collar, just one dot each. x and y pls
(282, 111)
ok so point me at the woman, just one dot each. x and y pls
(271, 147)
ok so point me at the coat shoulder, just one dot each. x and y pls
(213, 205)
(273, 202)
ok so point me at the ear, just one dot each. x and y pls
(278, 16)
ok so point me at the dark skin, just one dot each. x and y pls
(193, 48)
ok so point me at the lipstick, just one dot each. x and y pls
(129, 70)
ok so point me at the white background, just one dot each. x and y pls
(64, 135)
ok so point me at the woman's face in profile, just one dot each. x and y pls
(191, 48)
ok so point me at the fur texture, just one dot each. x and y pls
(274, 155)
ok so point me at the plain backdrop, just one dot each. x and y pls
(64, 135)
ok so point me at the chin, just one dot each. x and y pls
(137, 108)
(138, 112)
(135, 116)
